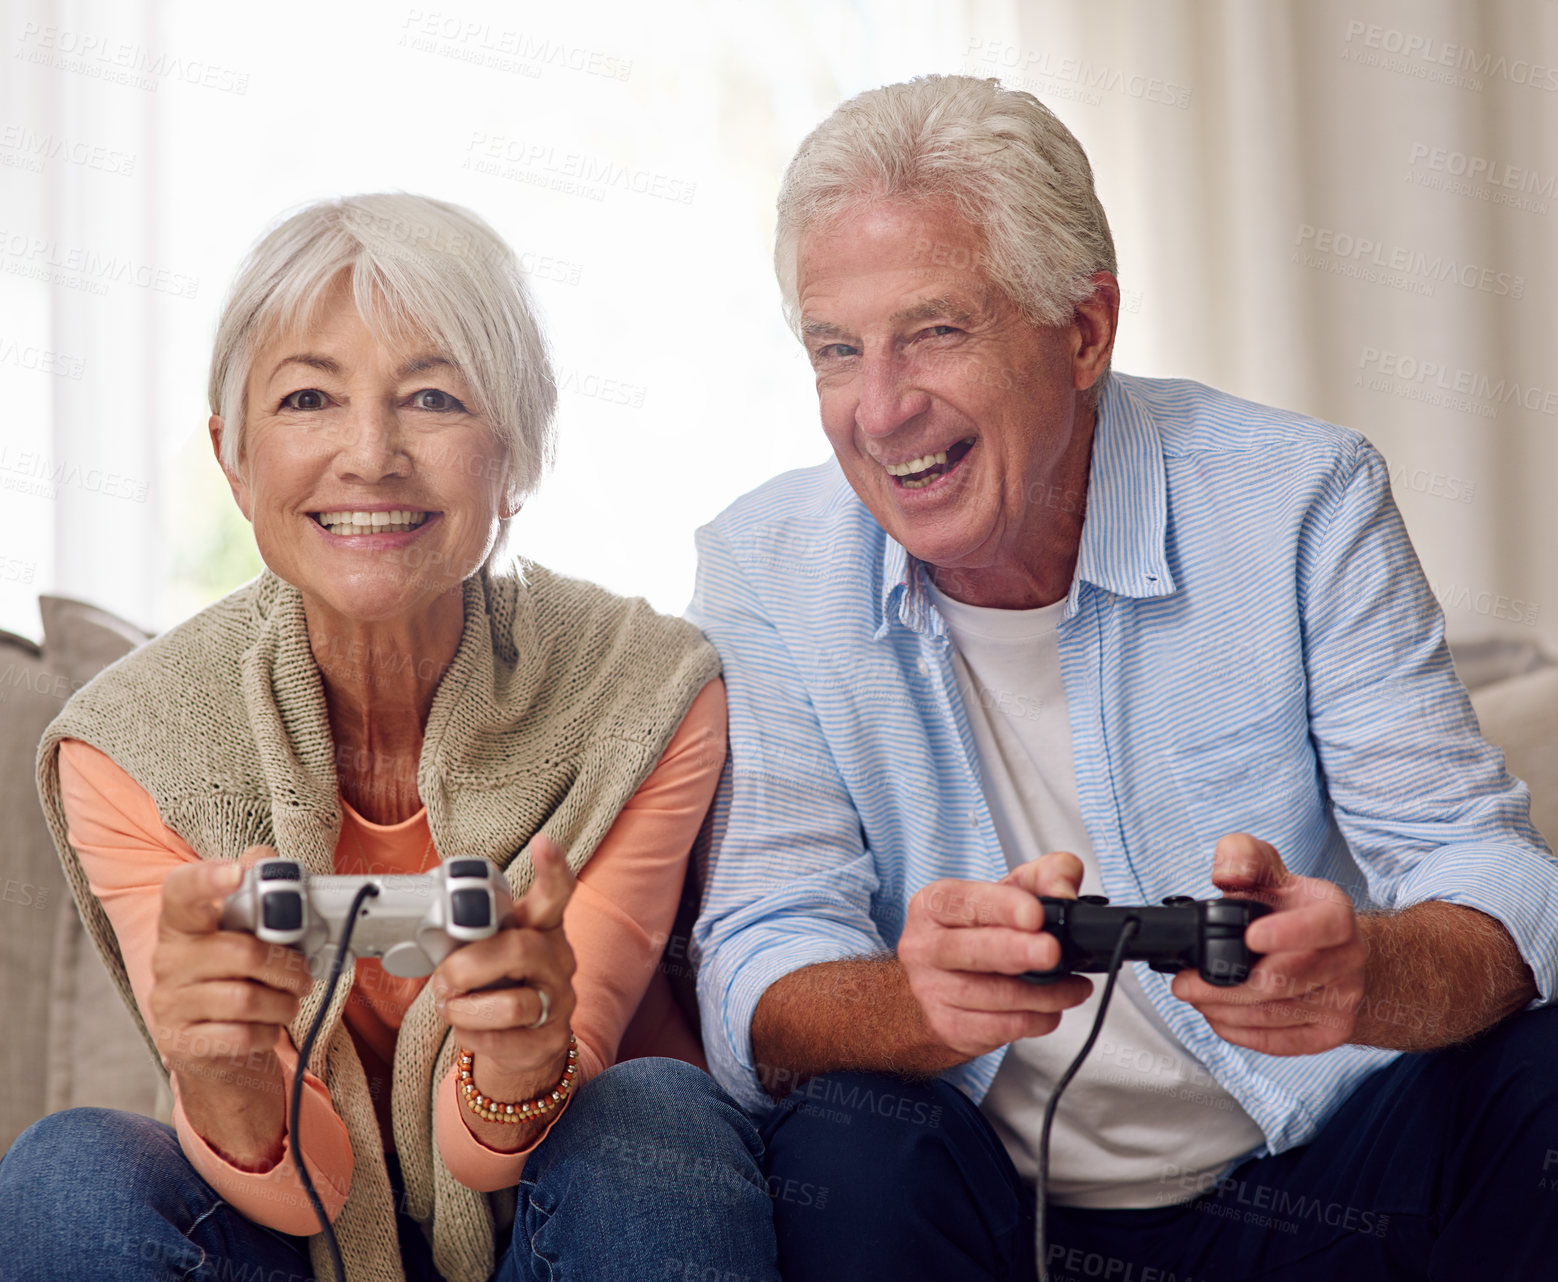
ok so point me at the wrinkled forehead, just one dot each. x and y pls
(927, 255)
(928, 228)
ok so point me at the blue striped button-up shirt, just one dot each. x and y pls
(1249, 645)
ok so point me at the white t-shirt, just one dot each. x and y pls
(1142, 1118)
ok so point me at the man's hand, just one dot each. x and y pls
(1302, 997)
(965, 942)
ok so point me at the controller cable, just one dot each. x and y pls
(341, 954)
(1128, 930)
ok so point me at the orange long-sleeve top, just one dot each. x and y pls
(617, 922)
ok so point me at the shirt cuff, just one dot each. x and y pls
(730, 988)
(275, 1198)
(1515, 885)
(472, 1163)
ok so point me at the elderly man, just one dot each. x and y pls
(1040, 629)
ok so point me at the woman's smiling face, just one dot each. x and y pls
(373, 479)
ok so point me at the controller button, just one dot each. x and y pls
(1093, 899)
(283, 910)
(280, 870)
(468, 868)
(470, 909)
(1177, 901)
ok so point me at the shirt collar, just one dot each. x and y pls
(1123, 536)
(906, 595)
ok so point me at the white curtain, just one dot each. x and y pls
(80, 312)
(1345, 209)
(1348, 209)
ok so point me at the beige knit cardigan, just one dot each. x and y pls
(559, 702)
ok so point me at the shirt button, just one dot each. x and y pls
(924, 668)
(973, 819)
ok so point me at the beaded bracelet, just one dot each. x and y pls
(491, 1110)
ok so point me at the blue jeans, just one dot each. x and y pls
(651, 1173)
(1439, 1166)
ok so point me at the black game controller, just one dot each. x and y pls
(1201, 934)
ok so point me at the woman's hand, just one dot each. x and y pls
(514, 1059)
(218, 1003)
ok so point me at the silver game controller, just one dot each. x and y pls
(412, 923)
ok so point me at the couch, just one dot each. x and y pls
(69, 1040)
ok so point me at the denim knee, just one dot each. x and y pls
(850, 1120)
(876, 1177)
(658, 1118)
(83, 1149)
(95, 1193)
(653, 1171)
(122, 1166)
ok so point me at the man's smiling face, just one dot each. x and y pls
(950, 413)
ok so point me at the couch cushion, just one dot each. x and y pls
(81, 640)
(75, 1042)
(32, 888)
(1520, 715)
(1493, 659)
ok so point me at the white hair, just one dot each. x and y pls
(414, 264)
(998, 157)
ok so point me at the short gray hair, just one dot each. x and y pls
(999, 157)
(412, 262)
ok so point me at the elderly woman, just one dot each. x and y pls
(380, 699)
